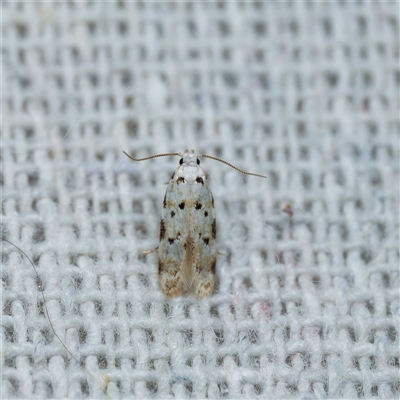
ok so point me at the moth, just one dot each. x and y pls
(187, 252)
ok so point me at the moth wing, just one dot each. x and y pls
(204, 238)
(173, 236)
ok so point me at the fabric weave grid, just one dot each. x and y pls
(307, 303)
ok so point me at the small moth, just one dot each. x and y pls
(187, 251)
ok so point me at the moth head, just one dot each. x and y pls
(189, 158)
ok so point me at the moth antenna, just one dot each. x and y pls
(232, 166)
(45, 307)
(150, 157)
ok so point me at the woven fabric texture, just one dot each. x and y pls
(306, 93)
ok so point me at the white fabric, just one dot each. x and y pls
(307, 304)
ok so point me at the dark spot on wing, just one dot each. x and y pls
(213, 266)
(198, 205)
(188, 244)
(160, 267)
(214, 229)
(172, 214)
(165, 200)
(182, 205)
(171, 240)
(212, 199)
(162, 229)
(200, 180)
(206, 213)
(180, 180)
(206, 240)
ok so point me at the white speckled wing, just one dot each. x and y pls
(187, 250)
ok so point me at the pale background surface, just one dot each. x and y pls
(307, 304)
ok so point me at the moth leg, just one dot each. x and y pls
(145, 252)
